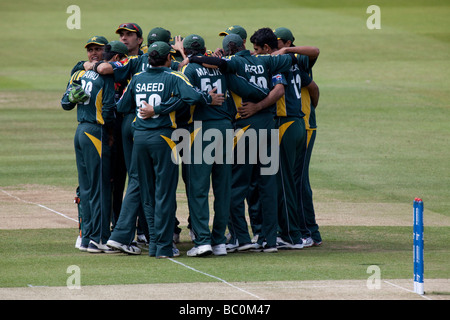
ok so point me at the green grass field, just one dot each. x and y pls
(383, 129)
(41, 258)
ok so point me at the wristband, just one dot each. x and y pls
(96, 65)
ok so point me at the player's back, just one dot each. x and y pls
(206, 79)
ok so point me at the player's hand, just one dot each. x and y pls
(146, 111)
(183, 63)
(217, 98)
(248, 109)
(77, 95)
(219, 53)
(280, 51)
(89, 65)
(178, 45)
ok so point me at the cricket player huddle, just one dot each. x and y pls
(238, 120)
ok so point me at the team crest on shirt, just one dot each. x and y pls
(276, 79)
(117, 64)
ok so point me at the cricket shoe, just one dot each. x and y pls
(307, 242)
(232, 247)
(219, 250)
(269, 249)
(133, 250)
(284, 245)
(317, 243)
(176, 252)
(264, 248)
(141, 240)
(200, 251)
(95, 247)
(248, 246)
(257, 247)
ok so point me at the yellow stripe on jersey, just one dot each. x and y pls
(281, 107)
(306, 106)
(77, 76)
(97, 143)
(282, 129)
(173, 119)
(237, 102)
(182, 76)
(193, 135)
(191, 118)
(308, 137)
(238, 135)
(173, 147)
(98, 106)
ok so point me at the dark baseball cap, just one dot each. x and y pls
(98, 40)
(193, 41)
(232, 37)
(119, 47)
(235, 29)
(159, 34)
(130, 26)
(163, 48)
(284, 34)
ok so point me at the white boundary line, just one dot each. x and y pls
(39, 205)
(217, 278)
(397, 286)
(182, 264)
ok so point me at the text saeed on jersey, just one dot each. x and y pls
(149, 87)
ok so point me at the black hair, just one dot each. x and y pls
(155, 59)
(196, 49)
(232, 48)
(285, 41)
(108, 54)
(265, 36)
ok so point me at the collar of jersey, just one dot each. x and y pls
(158, 69)
(243, 53)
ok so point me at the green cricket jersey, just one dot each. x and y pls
(290, 104)
(134, 65)
(154, 86)
(99, 108)
(307, 108)
(206, 79)
(258, 69)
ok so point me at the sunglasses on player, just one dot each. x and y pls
(130, 27)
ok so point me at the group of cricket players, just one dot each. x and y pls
(160, 111)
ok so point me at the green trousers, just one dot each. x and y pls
(208, 169)
(158, 180)
(248, 172)
(292, 157)
(93, 157)
(118, 170)
(308, 224)
(125, 228)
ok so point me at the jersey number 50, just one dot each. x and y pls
(153, 100)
